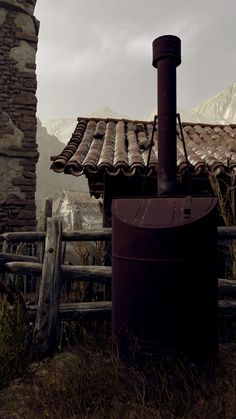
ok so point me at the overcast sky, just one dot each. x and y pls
(95, 53)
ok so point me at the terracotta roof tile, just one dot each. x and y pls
(115, 146)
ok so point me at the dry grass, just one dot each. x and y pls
(89, 382)
(15, 340)
(225, 190)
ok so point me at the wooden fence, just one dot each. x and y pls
(48, 266)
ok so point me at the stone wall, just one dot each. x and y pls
(18, 148)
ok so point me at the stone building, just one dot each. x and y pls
(18, 148)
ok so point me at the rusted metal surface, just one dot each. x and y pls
(161, 264)
(166, 56)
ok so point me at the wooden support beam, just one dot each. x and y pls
(87, 235)
(50, 288)
(92, 310)
(98, 310)
(100, 274)
(227, 310)
(8, 257)
(102, 234)
(24, 236)
(42, 226)
(226, 233)
(227, 287)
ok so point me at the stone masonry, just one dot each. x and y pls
(18, 148)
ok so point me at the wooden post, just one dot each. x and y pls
(49, 293)
(42, 225)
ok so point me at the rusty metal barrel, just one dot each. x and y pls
(164, 286)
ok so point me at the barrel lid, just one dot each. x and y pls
(162, 211)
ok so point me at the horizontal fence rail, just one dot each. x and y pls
(102, 234)
(102, 310)
(8, 257)
(49, 266)
(226, 233)
(101, 274)
(98, 310)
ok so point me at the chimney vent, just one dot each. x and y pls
(166, 57)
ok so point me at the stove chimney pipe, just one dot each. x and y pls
(166, 57)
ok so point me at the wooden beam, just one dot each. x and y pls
(8, 257)
(223, 233)
(92, 310)
(227, 287)
(226, 233)
(98, 310)
(87, 235)
(101, 274)
(77, 235)
(24, 236)
(50, 288)
(31, 268)
(42, 225)
(227, 309)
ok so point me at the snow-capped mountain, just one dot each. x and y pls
(106, 112)
(63, 128)
(185, 116)
(220, 108)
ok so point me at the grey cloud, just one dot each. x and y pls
(94, 53)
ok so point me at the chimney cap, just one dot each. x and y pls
(166, 46)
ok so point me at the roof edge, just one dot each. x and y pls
(140, 121)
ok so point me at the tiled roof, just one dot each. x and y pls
(116, 146)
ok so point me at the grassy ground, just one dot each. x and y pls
(87, 381)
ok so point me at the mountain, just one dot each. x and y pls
(106, 112)
(185, 116)
(49, 183)
(220, 108)
(63, 128)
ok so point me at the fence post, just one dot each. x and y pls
(50, 287)
(42, 225)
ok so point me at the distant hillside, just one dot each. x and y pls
(50, 183)
(220, 108)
